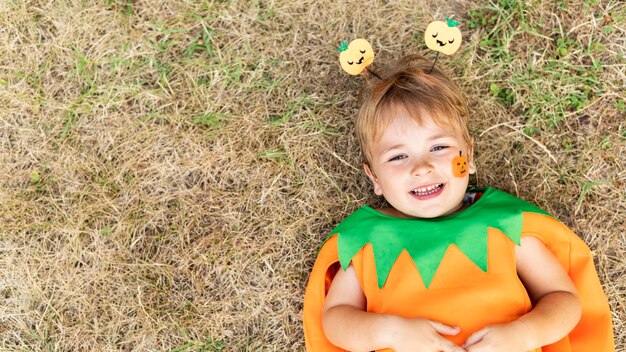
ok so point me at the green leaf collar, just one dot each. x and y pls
(427, 240)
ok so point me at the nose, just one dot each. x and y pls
(421, 167)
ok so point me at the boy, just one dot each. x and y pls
(444, 269)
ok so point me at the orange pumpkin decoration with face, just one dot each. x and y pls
(444, 37)
(356, 56)
(459, 165)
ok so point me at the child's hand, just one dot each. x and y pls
(501, 337)
(422, 335)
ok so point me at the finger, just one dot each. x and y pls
(475, 337)
(455, 348)
(448, 346)
(478, 348)
(444, 329)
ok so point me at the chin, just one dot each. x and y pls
(431, 215)
(429, 211)
(422, 214)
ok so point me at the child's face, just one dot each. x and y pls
(418, 169)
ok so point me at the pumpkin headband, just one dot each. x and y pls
(356, 57)
(442, 37)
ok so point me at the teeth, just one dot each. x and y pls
(424, 191)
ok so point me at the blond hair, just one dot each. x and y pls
(412, 86)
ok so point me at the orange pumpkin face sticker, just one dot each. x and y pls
(356, 56)
(459, 165)
(444, 37)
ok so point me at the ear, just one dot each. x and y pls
(377, 187)
(471, 167)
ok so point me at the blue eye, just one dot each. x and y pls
(438, 148)
(398, 157)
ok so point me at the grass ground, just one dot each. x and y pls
(168, 169)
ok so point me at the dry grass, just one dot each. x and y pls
(168, 169)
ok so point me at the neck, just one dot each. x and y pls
(391, 211)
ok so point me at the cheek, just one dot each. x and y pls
(390, 170)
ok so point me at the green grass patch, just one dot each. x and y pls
(294, 107)
(201, 346)
(587, 186)
(202, 43)
(123, 6)
(191, 345)
(542, 77)
(211, 120)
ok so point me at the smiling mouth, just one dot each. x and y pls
(360, 61)
(427, 192)
(441, 43)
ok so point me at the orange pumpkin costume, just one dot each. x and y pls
(445, 277)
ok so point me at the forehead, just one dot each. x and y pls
(400, 120)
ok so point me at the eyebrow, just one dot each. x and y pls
(441, 135)
(395, 146)
(435, 137)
